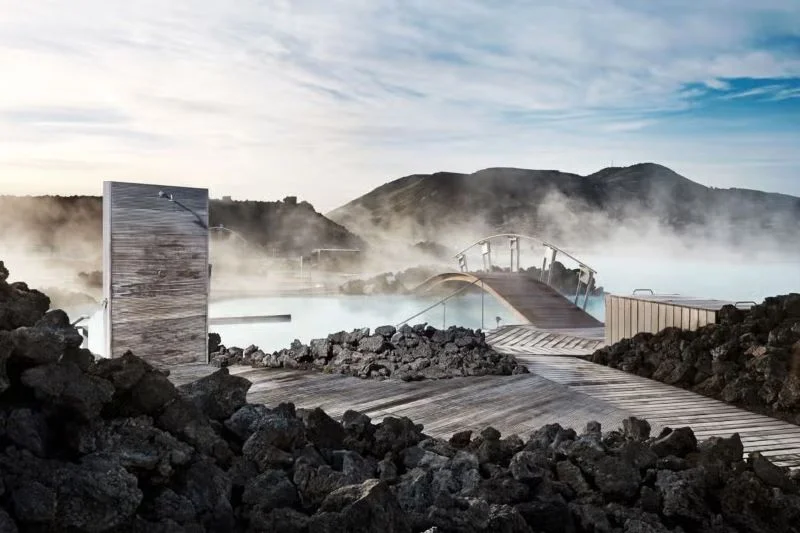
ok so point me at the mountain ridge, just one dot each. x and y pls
(563, 204)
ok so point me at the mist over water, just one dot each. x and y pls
(729, 278)
(719, 277)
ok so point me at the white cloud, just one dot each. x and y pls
(758, 91)
(329, 99)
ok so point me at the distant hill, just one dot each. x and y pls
(72, 226)
(566, 207)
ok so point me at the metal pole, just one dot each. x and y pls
(588, 289)
(552, 262)
(482, 293)
(444, 315)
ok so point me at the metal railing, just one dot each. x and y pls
(586, 274)
(443, 303)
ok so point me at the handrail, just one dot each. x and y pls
(736, 304)
(234, 233)
(649, 290)
(79, 320)
(462, 289)
(531, 238)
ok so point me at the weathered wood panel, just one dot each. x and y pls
(628, 315)
(155, 257)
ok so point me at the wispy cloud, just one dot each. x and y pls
(326, 100)
(758, 91)
(786, 94)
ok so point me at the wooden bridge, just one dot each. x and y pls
(532, 301)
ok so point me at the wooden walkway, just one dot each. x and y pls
(531, 301)
(511, 404)
(529, 339)
(666, 405)
(564, 389)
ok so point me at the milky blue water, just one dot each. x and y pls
(314, 317)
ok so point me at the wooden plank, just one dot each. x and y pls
(628, 330)
(664, 317)
(653, 312)
(641, 324)
(619, 329)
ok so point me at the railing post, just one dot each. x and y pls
(444, 315)
(486, 252)
(589, 284)
(513, 244)
(482, 294)
(552, 262)
(462, 263)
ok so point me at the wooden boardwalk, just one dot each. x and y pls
(665, 405)
(511, 404)
(531, 301)
(530, 339)
(564, 389)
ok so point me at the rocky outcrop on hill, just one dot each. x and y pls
(750, 359)
(113, 446)
(409, 354)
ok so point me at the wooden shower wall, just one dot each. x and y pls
(155, 272)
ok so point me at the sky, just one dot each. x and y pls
(328, 100)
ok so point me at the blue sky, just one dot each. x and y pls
(327, 100)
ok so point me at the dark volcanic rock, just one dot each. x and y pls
(19, 305)
(410, 354)
(112, 446)
(218, 395)
(65, 387)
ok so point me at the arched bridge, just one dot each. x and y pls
(533, 301)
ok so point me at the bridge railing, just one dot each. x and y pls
(586, 274)
(443, 303)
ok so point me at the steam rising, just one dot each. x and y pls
(424, 220)
(636, 211)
